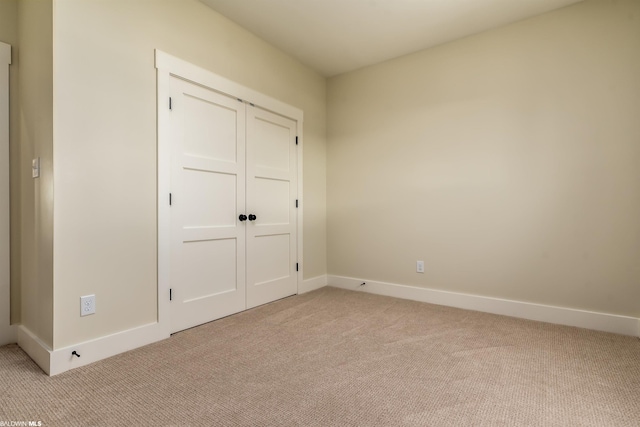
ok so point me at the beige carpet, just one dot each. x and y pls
(341, 358)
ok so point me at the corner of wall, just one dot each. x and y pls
(7, 332)
(35, 122)
(54, 362)
(312, 284)
(63, 359)
(35, 348)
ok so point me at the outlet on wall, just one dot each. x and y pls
(87, 305)
(419, 266)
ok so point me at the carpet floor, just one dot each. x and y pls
(342, 358)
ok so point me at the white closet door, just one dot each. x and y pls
(271, 197)
(208, 195)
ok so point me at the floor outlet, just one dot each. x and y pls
(87, 305)
(420, 266)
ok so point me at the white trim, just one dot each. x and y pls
(35, 348)
(100, 348)
(164, 212)
(544, 313)
(7, 331)
(188, 71)
(300, 210)
(312, 284)
(167, 66)
(54, 362)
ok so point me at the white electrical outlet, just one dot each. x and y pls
(87, 305)
(419, 266)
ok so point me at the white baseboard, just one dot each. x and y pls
(35, 348)
(101, 348)
(544, 313)
(54, 362)
(312, 284)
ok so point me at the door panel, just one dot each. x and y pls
(203, 119)
(209, 211)
(206, 259)
(271, 196)
(208, 194)
(274, 148)
(273, 263)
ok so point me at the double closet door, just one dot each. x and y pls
(233, 205)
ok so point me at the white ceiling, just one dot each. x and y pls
(336, 36)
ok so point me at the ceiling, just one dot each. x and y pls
(336, 36)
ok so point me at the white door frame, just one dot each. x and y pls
(7, 332)
(167, 66)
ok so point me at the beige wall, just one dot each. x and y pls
(508, 161)
(105, 146)
(35, 117)
(9, 34)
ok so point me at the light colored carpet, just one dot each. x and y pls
(341, 358)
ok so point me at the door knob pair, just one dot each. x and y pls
(251, 217)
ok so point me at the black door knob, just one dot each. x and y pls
(252, 217)
(242, 217)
